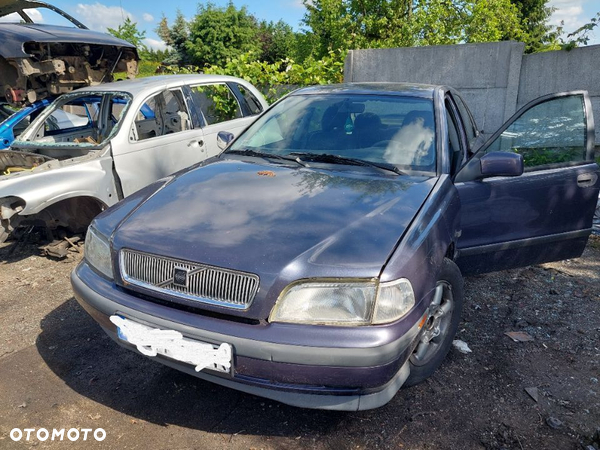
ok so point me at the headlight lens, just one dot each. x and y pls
(394, 300)
(97, 252)
(345, 303)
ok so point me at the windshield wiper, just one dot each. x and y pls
(250, 152)
(335, 159)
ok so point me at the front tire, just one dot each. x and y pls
(441, 326)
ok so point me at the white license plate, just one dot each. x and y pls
(153, 341)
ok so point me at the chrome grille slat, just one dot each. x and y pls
(206, 284)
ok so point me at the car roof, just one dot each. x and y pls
(140, 85)
(380, 88)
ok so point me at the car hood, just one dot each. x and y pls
(282, 223)
(14, 35)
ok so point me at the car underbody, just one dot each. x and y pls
(57, 68)
(47, 57)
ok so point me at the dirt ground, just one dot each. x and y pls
(59, 370)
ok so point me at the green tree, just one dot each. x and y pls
(277, 41)
(538, 34)
(349, 24)
(128, 31)
(218, 34)
(176, 38)
(155, 55)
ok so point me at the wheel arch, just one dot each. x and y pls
(74, 212)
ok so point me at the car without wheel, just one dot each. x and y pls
(96, 145)
(46, 52)
(318, 260)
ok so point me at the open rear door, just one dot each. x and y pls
(546, 213)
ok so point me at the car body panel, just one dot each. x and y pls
(307, 209)
(14, 35)
(55, 181)
(10, 124)
(543, 215)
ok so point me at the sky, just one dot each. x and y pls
(98, 15)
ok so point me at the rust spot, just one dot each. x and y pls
(266, 173)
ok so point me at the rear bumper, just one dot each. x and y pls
(337, 377)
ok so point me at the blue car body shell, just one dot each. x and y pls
(7, 128)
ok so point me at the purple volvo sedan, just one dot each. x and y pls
(318, 260)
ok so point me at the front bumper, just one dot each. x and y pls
(322, 377)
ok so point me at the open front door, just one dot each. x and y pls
(546, 213)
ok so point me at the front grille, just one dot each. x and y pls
(204, 284)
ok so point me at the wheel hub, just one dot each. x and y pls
(436, 326)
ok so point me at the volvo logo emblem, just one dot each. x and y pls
(180, 277)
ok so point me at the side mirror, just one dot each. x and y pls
(501, 164)
(224, 138)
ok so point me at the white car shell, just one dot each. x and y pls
(148, 128)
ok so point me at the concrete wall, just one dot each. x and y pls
(495, 78)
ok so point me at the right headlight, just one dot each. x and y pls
(344, 302)
(97, 252)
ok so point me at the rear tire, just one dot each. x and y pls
(441, 326)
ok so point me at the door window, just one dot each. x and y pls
(217, 103)
(163, 113)
(253, 104)
(550, 134)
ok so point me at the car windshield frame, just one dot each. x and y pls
(243, 142)
(20, 8)
(28, 142)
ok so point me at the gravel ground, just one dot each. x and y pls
(58, 370)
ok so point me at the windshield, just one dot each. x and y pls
(381, 129)
(87, 119)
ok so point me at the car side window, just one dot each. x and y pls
(163, 113)
(549, 134)
(253, 104)
(217, 102)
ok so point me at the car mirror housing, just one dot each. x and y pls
(224, 138)
(501, 164)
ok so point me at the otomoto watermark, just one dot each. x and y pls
(71, 434)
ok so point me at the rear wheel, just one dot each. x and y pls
(441, 325)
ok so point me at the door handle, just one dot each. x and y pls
(199, 143)
(587, 179)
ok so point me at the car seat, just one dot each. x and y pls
(367, 130)
(332, 135)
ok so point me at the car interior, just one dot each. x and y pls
(163, 113)
(75, 125)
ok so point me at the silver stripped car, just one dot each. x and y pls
(120, 138)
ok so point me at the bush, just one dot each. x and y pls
(278, 78)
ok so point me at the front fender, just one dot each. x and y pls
(59, 180)
(420, 253)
